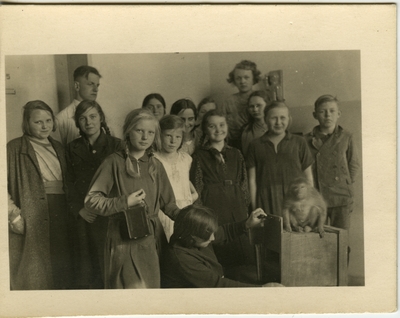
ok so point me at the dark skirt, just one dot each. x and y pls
(60, 242)
(89, 246)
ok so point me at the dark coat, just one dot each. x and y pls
(30, 262)
(89, 239)
(82, 165)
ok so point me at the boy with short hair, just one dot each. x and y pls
(336, 161)
(86, 85)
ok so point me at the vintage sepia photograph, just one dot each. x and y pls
(220, 170)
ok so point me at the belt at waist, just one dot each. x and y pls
(54, 187)
(225, 183)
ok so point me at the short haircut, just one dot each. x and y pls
(194, 220)
(134, 117)
(157, 96)
(82, 107)
(213, 112)
(273, 105)
(84, 71)
(29, 108)
(325, 99)
(245, 65)
(182, 104)
(171, 122)
(206, 100)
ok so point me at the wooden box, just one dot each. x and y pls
(300, 259)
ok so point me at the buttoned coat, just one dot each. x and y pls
(30, 259)
(336, 165)
(82, 166)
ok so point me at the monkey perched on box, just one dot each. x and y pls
(304, 209)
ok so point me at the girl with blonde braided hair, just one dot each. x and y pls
(125, 179)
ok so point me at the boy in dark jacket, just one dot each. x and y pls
(336, 161)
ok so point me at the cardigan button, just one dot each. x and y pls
(336, 178)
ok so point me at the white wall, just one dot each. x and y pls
(128, 78)
(33, 77)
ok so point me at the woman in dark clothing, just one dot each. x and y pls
(37, 206)
(84, 156)
(190, 260)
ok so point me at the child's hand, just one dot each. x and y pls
(88, 216)
(136, 197)
(18, 225)
(193, 192)
(256, 218)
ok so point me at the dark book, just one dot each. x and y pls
(136, 225)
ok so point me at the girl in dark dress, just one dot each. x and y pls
(219, 175)
(84, 156)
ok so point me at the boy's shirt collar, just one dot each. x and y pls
(318, 134)
(264, 138)
(318, 138)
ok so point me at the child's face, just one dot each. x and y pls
(243, 80)
(90, 122)
(188, 117)
(204, 109)
(277, 120)
(171, 139)
(256, 107)
(156, 107)
(142, 135)
(327, 114)
(40, 124)
(217, 128)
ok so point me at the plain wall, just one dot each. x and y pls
(306, 74)
(33, 77)
(128, 78)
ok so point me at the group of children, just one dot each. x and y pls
(202, 167)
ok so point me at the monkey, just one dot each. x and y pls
(304, 209)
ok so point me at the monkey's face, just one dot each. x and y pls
(300, 191)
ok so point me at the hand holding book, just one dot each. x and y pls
(136, 198)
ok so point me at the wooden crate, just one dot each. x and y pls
(300, 259)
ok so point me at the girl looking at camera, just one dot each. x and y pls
(126, 179)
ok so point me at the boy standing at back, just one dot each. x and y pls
(86, 85)
(336, 161)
